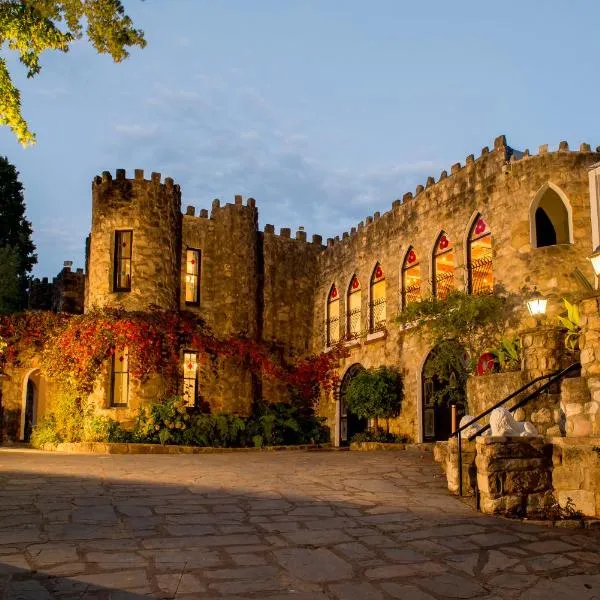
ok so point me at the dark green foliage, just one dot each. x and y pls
(379, 435)
(375, 393)
(17, 255)
(475, 323)
(171, 422)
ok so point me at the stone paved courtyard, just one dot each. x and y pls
(296, 525)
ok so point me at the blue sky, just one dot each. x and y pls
(323, 110)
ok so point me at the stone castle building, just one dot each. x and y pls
(505, 217)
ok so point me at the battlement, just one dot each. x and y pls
(121, 176)
(499, 159)
(285, 233)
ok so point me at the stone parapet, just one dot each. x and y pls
(514, 475)
(542, 350)
(446, 454)
(576, 473)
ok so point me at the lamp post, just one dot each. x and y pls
(536, 305)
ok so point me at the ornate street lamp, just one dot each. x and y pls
(536, 305)
(594, 258)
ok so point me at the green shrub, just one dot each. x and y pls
(284, 424)
(44, 432)
(375, 393)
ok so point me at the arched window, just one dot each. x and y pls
(377, 305)
(333, 316)
(442, 281)
(354, 308)
(479, 258)
(550, 218)
(411, 278)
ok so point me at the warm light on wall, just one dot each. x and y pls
(537, 305)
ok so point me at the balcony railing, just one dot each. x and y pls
(481, 275)
(377, 315)
(444, 284)
(353, 324)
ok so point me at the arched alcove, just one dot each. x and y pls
(349, 424)
(550, 218)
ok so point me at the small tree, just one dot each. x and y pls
(17, 255)
(375, 394)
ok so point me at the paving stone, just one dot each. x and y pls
(405, 592)
(313, 565)
(453, 586)
(270, 526)
(549, 546)
(351, 591)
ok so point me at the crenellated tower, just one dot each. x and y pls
(134, 247)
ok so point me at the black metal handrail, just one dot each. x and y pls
(552, 379)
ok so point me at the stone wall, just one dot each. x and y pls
(514, 475)
(498, 187)
(576, 473)
(446, 454)
(153, 211)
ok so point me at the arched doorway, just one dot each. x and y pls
(30, 406)
(349, 424)
(30, 403)
(443, 384)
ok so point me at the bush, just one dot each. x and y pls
(170, 421)
(284, 424)
(375, 393)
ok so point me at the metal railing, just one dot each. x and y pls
(332, 331)
(481, 275)
(377, 315)
(443, 285)
(552, 378)
(353, 324)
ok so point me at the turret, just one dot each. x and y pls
(134, 247)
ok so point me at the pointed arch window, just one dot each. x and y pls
(550, 217)
(442, 282)
(479, 258)
(354, 302)
(377, 304)
(333, 316)
(411, 278)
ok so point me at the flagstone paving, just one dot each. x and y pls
(273, 525)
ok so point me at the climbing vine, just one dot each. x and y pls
(74, 348)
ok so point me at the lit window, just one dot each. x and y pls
(411, 278)
(190, 378)
(443, 267)
(353, 326)
(479, 258)
(333, 316)
(377, 312)
(122, 267)
(192, 276)
(119, 390)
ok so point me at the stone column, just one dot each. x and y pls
(514, 474)
(542, 348)
(586, 415)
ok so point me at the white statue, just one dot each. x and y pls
(469, 431)
(502, 423)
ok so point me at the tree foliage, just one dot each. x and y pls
(17, 255)
(29, 27)
(375, 393)
(475, 323)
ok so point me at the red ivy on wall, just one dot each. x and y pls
(74, 347)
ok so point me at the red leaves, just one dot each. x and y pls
(75, 347)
